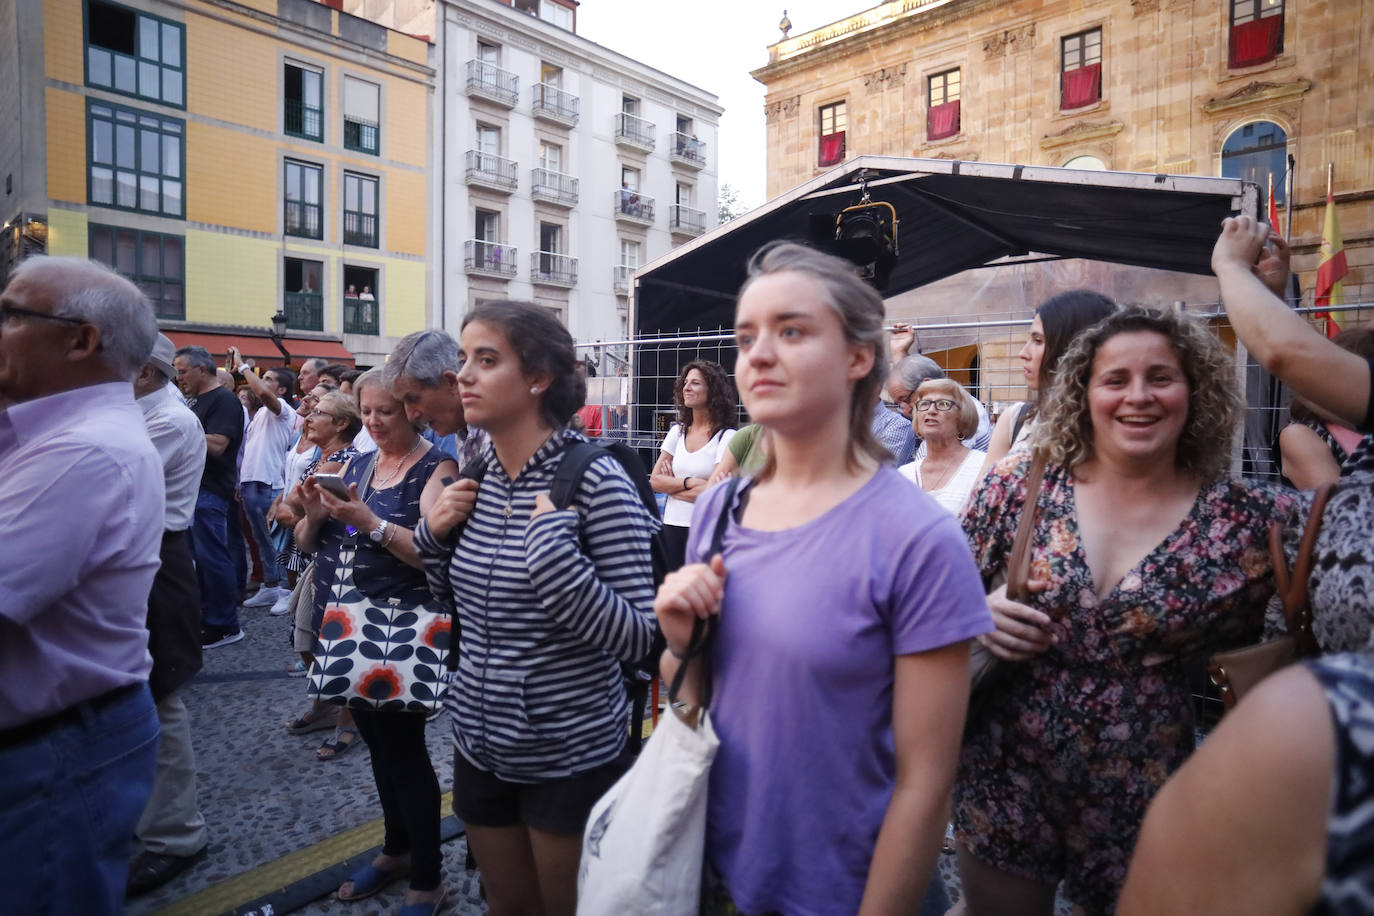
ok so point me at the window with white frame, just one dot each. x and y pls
(362, 115)
(550, 156)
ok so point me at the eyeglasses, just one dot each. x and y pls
(941, 404)
(322, 413)
(10, 311)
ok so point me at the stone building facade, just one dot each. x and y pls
(1200, 87)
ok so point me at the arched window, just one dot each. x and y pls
(1086, 162)
(1255, 152)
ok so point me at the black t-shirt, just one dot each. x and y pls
(1369, 408)
(221, 413)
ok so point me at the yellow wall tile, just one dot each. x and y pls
(231, 178)
(407, 216)
(404, 305)
(408, 48)
(231, 279)
(63, 41)
(66, 116)
(67, 233)
(231, 73)
(407, 115)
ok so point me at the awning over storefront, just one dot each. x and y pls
(259, 347)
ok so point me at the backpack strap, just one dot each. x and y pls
(576, 459)
(704, 630)
(1292, 585)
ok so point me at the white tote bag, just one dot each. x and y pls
(645, 840)
(642, 852)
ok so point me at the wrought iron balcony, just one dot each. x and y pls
(360, 315)
(488, 170)
(553, 187)
(622, 277)
(552, 269)
(489, 259)
(490, 82)
(361, 135)
(360, 228)
(634, 131)
(633, 207)
(553, 104)
(304, 311)
(686, 221)
(304, 120)
(303, 219)
(687, 150)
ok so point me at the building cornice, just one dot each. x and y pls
(1082, 132)
(1257, 92)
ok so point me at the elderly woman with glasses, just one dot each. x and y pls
(943, 415)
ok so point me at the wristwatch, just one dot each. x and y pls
(379, 532)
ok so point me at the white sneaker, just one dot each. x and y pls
(283, 604)
(266, 597)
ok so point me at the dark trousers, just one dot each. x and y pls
(407, 788)
(219, 589)
(674, 541)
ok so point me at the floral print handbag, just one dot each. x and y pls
(383, 655)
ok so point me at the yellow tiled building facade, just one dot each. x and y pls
(1205, 87)
(239, 159)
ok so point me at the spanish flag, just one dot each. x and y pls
(1331, 267)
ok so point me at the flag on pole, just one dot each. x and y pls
(1273, 207)
(1332, 266)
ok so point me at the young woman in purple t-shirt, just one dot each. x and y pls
(845, 601)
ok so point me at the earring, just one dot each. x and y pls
(534, 391)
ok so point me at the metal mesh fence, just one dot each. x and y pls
(631, 381)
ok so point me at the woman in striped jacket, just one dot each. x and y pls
(549, 602)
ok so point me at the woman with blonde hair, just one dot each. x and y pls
(1146, 555)
(943, 416)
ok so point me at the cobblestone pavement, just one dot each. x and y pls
(265, 795)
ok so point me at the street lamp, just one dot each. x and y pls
(278, 331)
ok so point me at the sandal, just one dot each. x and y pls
(313, 721)
(370, 880)
(335, 747)
(428, 908)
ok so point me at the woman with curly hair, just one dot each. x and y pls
(1146, 555)
(706, 408)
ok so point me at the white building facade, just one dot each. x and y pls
(562, 167)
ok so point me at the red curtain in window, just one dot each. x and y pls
(1081, 87)
(1256, 41)
(942, 121)
(832, 149)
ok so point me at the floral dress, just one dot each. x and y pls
(1058, 768)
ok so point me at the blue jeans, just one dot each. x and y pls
(219, 590)
(69, 802)
(257, 499)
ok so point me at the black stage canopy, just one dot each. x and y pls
(953, 216)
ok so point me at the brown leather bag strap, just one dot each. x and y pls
(1018, 567)
(1292, 585)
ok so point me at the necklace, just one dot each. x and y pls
(378, 481)
(943, 478)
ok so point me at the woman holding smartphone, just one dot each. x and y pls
(844, 601)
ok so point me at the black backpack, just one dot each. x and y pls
(577, 457)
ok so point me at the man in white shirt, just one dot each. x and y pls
(171, 832)
(263, 472)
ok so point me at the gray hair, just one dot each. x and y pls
(913, 370)
(424, 357)
(198, 356)
(99, 296)
(370, 377)
(317, 363)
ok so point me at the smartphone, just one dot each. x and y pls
(334, 484)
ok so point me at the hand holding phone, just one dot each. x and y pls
(334, 483)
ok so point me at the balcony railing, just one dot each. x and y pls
(304, 120)
(553, 104)
(553, 187)
(687, 150)
(360, 315)
(553, 269)
(633, 207)
(490, 82)
(303, 219)
(634, 131)
(491, 171)
(685, 220)
(360, 228)
(361, 135)
(621, 276)
(488, 258)
(304, 311)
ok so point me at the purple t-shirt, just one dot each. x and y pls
(812, 619)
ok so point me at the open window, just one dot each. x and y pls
(1256, 34)
(833, 122)
(942, 105)
(1080, 79)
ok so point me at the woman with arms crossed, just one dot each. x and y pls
(845, 602)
